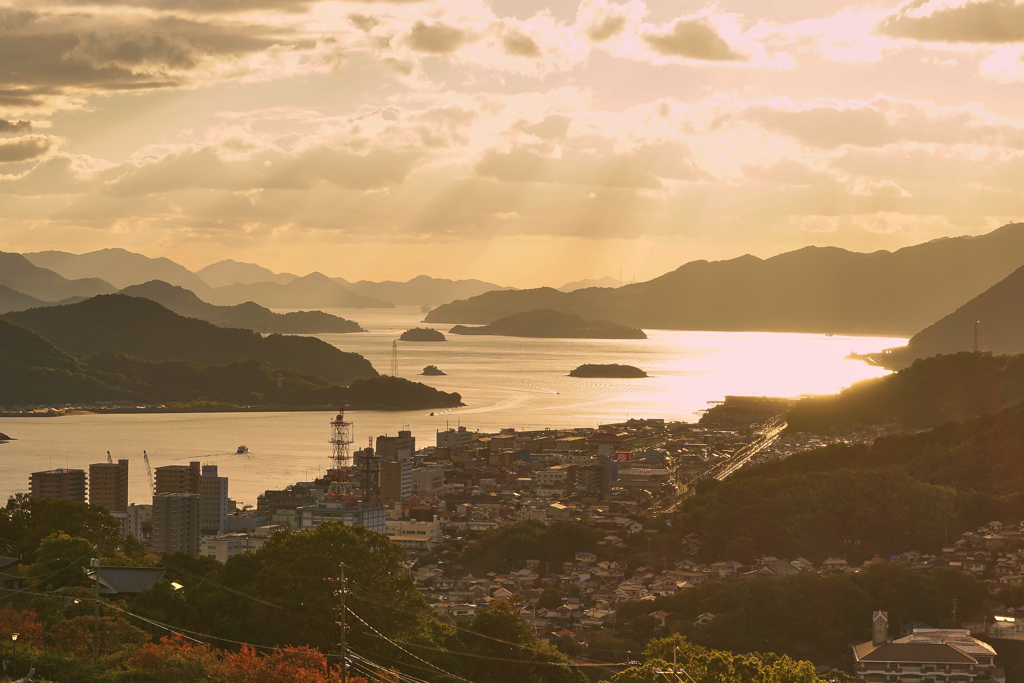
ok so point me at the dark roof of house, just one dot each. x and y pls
(128, 579)
(912, 652)
(6, 562)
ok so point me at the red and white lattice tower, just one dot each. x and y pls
(341, 457)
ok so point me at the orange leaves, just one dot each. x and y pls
(23, 622)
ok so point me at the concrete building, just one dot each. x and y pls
(140, 521)
(178, 478)
(926, 656)
(213, 501)
(427, 480)
(59, 483)
(353, 514)
(176, 523)
(418, 536)
(223, 546)
(108, 485)
(396, 480)
(389, 447)
(455, 439)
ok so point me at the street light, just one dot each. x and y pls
(14, 638)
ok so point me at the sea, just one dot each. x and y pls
(504, 382)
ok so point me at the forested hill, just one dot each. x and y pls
(145, 329)
(815, 289)
(249, 315)
(903, 492)
(928, 393)
(998, 313)
(34, 372)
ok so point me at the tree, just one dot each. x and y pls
(60, 561)
(76, 636)
(26, 521)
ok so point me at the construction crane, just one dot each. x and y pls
(109, 459)
(149, 473)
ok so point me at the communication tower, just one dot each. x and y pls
(394, 358)
(341, 458)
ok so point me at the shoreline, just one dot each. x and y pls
(150, 410)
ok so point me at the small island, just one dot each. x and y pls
(549, 324)
(432, 370)
(610, 370)
(422, 334)
(4, 437)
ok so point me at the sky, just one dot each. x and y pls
(521, 142)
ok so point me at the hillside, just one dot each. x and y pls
(230, 272)
(119, 267)
(815, 289)
(552, 324)
(928, 393)
(902, 492)
(606, 281)
(999, 312)
(249, 315)
(11, 300)
(21, 275)
(312, 291)
(145, 329)
(33, 372)
(421, 290)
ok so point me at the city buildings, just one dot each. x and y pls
(213, 501)
(108, 485)
(176, 523)
(353, 514)
(178, 478)
(59, 483)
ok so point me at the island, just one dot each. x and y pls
(609, 370)
(549, 324)
(432, 370)
(422, 334)
(4, 437)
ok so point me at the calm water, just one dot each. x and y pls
(505, 382)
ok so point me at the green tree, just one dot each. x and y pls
(60, 561)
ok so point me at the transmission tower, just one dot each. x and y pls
(394, 358)
(341, 457)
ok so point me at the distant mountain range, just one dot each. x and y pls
(421, 290)
(249, 315)
(21, 275)
(815, 289)
(11, 300)
(552, 325)
(144, 329)
(230, 272)
(584, 284)
(315, 290)
(999, 313)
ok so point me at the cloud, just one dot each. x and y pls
(436, 38)
(691, 39)
(521, 45)
(551, 127)
(25, 148)
(134, 49)
(205, 6)
(987, 21)
(601, 20)
(15, 126)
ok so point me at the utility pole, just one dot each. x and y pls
(95, 562)
(344, 647)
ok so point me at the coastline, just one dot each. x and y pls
(127, 410)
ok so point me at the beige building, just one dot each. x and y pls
(59, 483)
(925, 656)
(108, 485)
(178, 478)
(414, 535)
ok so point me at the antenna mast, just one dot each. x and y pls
(341, 457)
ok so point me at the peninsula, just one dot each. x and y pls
(613, 370)
(422, 334)
(553, 325)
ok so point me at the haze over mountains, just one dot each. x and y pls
(814, 289)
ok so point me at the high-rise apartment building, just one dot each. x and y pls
(176, 523)
(59, 483)
(388, 447)
(108, 485)
(178, 478)
(213, 501)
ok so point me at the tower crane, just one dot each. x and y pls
(149, 473)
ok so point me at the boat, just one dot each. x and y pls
(242, 450)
